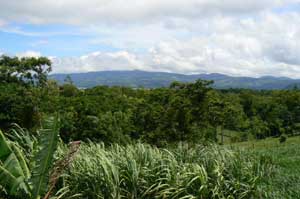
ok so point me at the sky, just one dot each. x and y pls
(234, 37)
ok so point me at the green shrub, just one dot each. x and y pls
(282, 138)
(235, 139)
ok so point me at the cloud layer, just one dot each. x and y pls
(266, 45)
(95, 11)
(252, 38)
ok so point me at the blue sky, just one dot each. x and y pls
(49, 40)
(255, 38)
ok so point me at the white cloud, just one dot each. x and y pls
(99, 61)
(268, 44)
(2, 22)
(235, 37)
(41, 42)
(29, 53)
(107, 11)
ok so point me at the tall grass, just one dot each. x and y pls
(142, 171)
(286, 158)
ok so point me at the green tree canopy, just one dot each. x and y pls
(24, 70)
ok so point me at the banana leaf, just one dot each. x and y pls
(45, 156)
(12, 176)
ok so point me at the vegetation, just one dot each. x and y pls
(26, 163)
(180, 126)
(190, 112)
(142, 171)
(24, 70)
(286, 159)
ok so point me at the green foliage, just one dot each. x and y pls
(282, 138)
(17, 105)
(16, 166)
(13, 168)
(285, 182)
(259, 128)
(24, 70)
(192, 112)
(43, 159)
(142, 171)
(68, 90)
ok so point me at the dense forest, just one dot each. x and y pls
(190, 112)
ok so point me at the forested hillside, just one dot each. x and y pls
(191, 112)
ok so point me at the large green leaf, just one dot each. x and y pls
(12, 168)
(21, 159)
(44, 158)
(4, 146)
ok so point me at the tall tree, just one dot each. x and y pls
(24, 70)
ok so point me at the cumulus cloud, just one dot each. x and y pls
(268, 44)
(99, 61)
(29, 53)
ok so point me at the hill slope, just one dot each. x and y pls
(161, 79)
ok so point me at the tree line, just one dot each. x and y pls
(190, 112)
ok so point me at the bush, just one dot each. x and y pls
(282, 138)
(234, 139)
(244, 136)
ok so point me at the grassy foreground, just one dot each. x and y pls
(256, 169)
(286, 160)
(142, 171)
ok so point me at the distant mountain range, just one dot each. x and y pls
(145, 79)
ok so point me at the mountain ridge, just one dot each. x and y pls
(138, 78)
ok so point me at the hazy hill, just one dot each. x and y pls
(161, 79)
